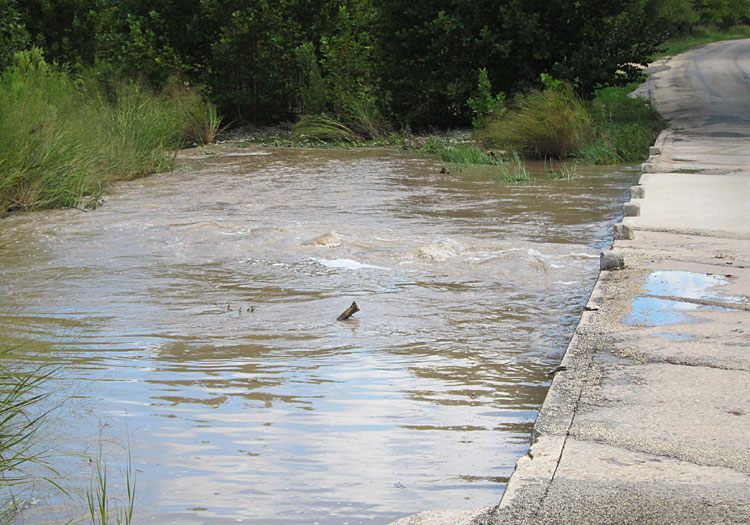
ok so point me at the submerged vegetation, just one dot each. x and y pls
(102, 507)
(21, 415)
(458, 153)
(26, 457)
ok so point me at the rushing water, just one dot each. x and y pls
(194, 320)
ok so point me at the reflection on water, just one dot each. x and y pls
(195, 313)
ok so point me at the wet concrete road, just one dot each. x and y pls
(650, 422)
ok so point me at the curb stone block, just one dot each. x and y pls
(611, 260)
(631, 209)
(623, 232)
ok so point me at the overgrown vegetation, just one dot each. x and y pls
(63, 136)
(557, 123)
(270, 61)
(625, 127)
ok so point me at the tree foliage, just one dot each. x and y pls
(272, 60)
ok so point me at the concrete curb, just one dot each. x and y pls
(537, 468)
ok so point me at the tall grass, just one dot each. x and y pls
(62, 137)
(550, 123)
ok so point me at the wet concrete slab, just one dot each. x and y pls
(591, 460)
(722, 253)
(718, 339)
(669, 410)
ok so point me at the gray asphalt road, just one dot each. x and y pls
(706, 89)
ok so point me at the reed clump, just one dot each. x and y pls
(62, 137)
(543, 124)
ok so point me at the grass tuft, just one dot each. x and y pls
(458, 153)
(514, 171)
(551, 123)
(563, 170)
(99, 499)
(321, 128)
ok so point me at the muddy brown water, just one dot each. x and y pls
(194, 320)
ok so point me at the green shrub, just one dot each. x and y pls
(312, 92)
(551, 123)
(625, 127)
(484, 105)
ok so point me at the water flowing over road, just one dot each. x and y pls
(194, 320)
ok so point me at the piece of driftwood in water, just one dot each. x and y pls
(346, 314)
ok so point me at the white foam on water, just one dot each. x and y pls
(436, 252)
(346, 264)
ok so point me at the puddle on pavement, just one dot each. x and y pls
(657, 311)
(674, 337)
(194, 318)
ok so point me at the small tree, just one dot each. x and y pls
(485, 105)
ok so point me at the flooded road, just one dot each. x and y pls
(194, 317)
